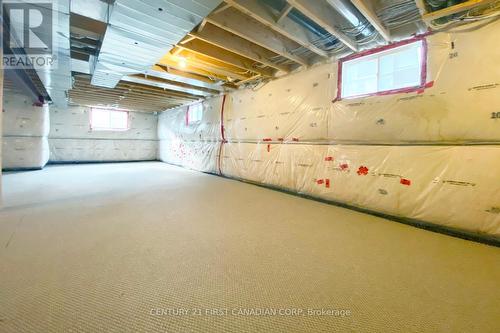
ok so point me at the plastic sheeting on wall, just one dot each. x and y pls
(25, 130)
(460, 103)
(22, 118)
(442, 185)
(199, 156)
(24, 152)
(74, 123)
(173, 123)
(95, 150)
(394, 154)
(72, 140)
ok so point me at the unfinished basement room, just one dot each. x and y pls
(227, 166)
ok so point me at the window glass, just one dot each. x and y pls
(389, 70)
(108, 120)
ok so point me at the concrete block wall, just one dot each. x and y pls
(427, 155)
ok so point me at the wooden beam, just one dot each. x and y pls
(285, 26)
(191, 79)
(215, 65)
(226, 40)
(248, 80)
(461, 7)
(321, 13)
(245, 27)
(201, 47)
(284, 13)
(221, 8)
(195, 65)
(168, 86)
(366, 8)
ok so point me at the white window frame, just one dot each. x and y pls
(108, 129)
(379, 53)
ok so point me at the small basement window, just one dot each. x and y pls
(392, 69)
(108, 120)
(194, 114)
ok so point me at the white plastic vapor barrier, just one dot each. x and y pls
(199, 156)
(440, 185)
(73, 140)
(92, 150)
(428, 154)
(22, 118)
(25, 130)
(25, 152)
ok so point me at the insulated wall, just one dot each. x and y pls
(194, 146)
(429, 155)
(25, 131)
(72, 140)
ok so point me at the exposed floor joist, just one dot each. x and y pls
(201, 47)
(284, 26)
(206, 63)
(229, 41)
(321, 13)
(248, 28)
(131, 96)
(367, 9)
(164, 85)
(183, 77)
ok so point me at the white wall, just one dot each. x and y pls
(25, 131)
(72, 140)
(429, 155)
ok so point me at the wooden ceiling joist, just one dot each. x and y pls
(284, 26)
(166, 86)
(196, 63)
(248, 28)
(183, 77)
(321, 13)
(367, 9)
(199, 46)
(129, 96)
(229, 41)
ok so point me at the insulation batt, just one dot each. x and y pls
(25, 131)
(72, 140)
(430, 155)
(24, 152)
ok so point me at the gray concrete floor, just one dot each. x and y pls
(123, 247)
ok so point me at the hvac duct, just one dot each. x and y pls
(140, 32)
(57, 77)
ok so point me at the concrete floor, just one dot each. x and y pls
(124, 247)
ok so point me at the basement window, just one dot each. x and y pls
(108, 120)
(396, 68)
(194, 114)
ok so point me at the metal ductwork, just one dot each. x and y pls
(141, 32)
(57, 79)
(55, 76)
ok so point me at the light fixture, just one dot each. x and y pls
(182, 62)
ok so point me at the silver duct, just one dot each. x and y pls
(140, 32)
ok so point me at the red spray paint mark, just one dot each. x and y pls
(344, 166)
(406, 182)
(327, 183)
(362, 171)
(329, 159)
(267, 140)
(268, 148)
(295, 139)
(320, 181)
